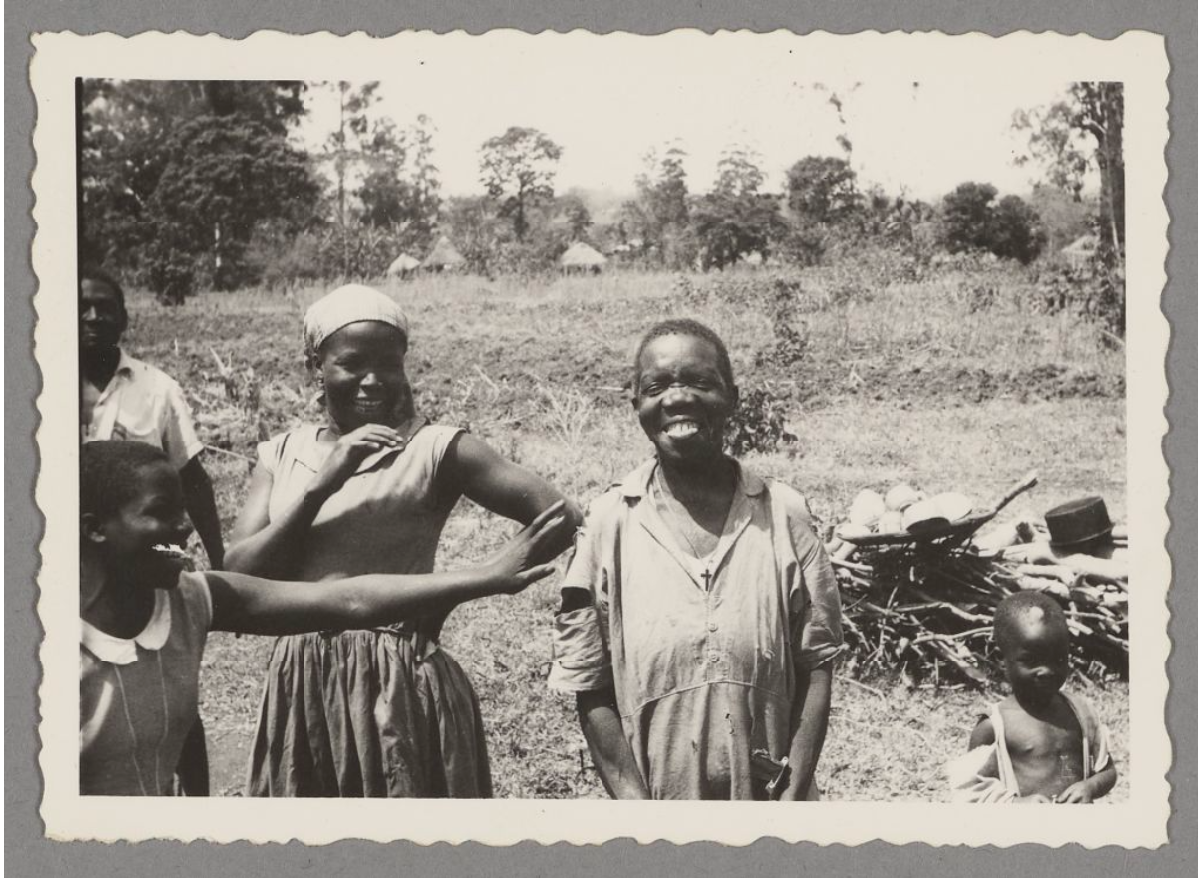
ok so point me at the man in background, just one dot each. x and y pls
(123, 398)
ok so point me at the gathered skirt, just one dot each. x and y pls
(368, 713)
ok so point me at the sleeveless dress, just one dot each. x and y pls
(380, 712)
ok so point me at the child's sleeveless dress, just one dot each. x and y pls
(382, 712)
(970, 785)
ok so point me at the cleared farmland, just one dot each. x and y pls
(946, 380)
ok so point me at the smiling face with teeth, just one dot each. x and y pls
(683, 397)
(127, 538)
(361, 367)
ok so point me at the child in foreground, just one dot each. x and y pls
(145, 620)
(1040, 744)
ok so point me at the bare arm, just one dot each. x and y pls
(983, 734)
(202, 509)
(263, 606)
(1086, 791)
(610, 751)
(501, 486)
(264, 547)
(810, 720)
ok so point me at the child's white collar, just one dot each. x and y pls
(119, 651)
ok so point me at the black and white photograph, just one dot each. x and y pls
(573, 419)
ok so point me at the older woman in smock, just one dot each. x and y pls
(700, 613)
(382, 712)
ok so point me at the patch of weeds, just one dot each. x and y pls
(981, 297)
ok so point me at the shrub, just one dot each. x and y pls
(1015, 231)
(757, 424)
(1096, 293)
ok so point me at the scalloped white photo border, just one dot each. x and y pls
(1136, 58)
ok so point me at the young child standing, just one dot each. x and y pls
(1040, 744)
(144, 621)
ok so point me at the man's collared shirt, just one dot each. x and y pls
(143, 404)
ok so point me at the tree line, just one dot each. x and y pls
(190, 185)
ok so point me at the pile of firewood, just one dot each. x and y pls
(925, 609)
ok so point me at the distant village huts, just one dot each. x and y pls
(1080, 251)
(581, 258)
(443, 257)
(403, 266)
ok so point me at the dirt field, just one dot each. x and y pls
(948, 381)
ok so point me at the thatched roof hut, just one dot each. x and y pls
(582, 257)
(403, 265)
(443, 256)
(1079, 251)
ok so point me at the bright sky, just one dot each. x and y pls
(606, 109)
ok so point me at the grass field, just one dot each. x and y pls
(948, 381)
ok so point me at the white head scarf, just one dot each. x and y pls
(352, 303)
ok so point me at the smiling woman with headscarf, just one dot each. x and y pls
(383, 712)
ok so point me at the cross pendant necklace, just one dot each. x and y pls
(707, 575)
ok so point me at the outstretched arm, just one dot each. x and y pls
(202, 509)
(263, 606)
(501, 486)
(609, 748)
(810, 720)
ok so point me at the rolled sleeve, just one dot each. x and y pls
(581, 662)
(179, 439)
(818, 629)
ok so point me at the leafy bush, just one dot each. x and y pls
(804, 244)
(757, 424)
(1095, 293)
(791, 344)
(1015, 231)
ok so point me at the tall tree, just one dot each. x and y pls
(364, 144)
(224, 175)
(659, 214)
(736, 218)
(517, 168)
(1081, 132)
(425, 176)
(663, 188)
(139, 133)
(575, 211)
(1010, 229)
(821, 189)
(1017, 231)
(967, 216)
(738, 173)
